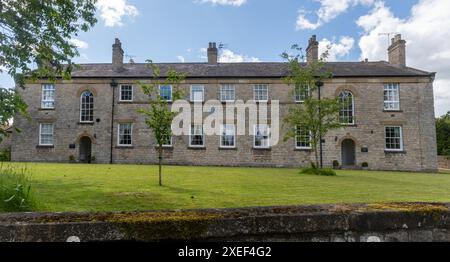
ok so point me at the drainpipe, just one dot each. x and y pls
(319, 85)
(113, 86)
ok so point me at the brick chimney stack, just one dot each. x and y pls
(397, 51)
(212, 54)
(312, 52)
(117, 54)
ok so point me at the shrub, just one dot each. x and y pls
(5, 155)
(335, 164)
(317, 171)
(365, 165)
(72, 158)
(16, 194)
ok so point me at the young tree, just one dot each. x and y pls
(159, 115)
(315, 114)
(443, 135)
(38, 32)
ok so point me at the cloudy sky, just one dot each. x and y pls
(260, 30)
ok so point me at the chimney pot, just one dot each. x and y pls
(212, 54)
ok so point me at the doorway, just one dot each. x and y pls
(85, 150)
(348, 152)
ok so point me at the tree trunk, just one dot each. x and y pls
(160, 164)
(316, 156)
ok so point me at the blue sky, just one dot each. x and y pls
(257, 30)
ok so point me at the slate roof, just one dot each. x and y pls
(244, 70)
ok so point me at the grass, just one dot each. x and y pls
(72, 187)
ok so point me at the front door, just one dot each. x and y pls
(85, 150)
(348, 152)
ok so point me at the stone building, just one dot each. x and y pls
(93, 117)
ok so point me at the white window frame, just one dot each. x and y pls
(44, 101)
(131, 135)
(81, 107)
(353, 108)
(401, 140)
(132, 94)
(169, 145)
(267, 92)
(297, 96)
(302, 147)
(255, 127)
(230, 87)
(171, 92)
(222, 127)
(388, 87)
(190, 135)
(52, 134)
(192, 94)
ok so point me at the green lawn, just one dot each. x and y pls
(69, 187)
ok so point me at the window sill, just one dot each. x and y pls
(125, 102)
(349, 125)
(303, 149)
(392, 111)
(394, 152)
(124, 147)
(46, 109)
(262, 148)
(228, 148)
(45, 146)
(86, 123)
(196, 147)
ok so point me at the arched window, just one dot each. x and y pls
(87, 107)
(347, 113)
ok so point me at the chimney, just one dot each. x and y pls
(397, 51)
(312, 52)
(117, 54)
(212, 54)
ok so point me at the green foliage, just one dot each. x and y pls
(319, 116)
(16, 194)
(159, 115)
(10, 104)
(335, 164)
(313, 170)
(365, 164)
(39, 32)
(443, 135)
(5, 155)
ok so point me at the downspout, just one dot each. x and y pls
(319, 85)
(113, 86)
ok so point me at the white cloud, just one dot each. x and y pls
(112, 11)
(78, 43)
(426, 31)
(336, 50)
(222, 2)
(181, 59)
(228, 56)
(329, 9)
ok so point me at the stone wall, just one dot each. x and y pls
(416, 117)
(376, 222)
(444, 162)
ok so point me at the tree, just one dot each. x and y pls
(443, 135)
(10, 104)
(38, 32)
(159, 115)
(315, 114)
